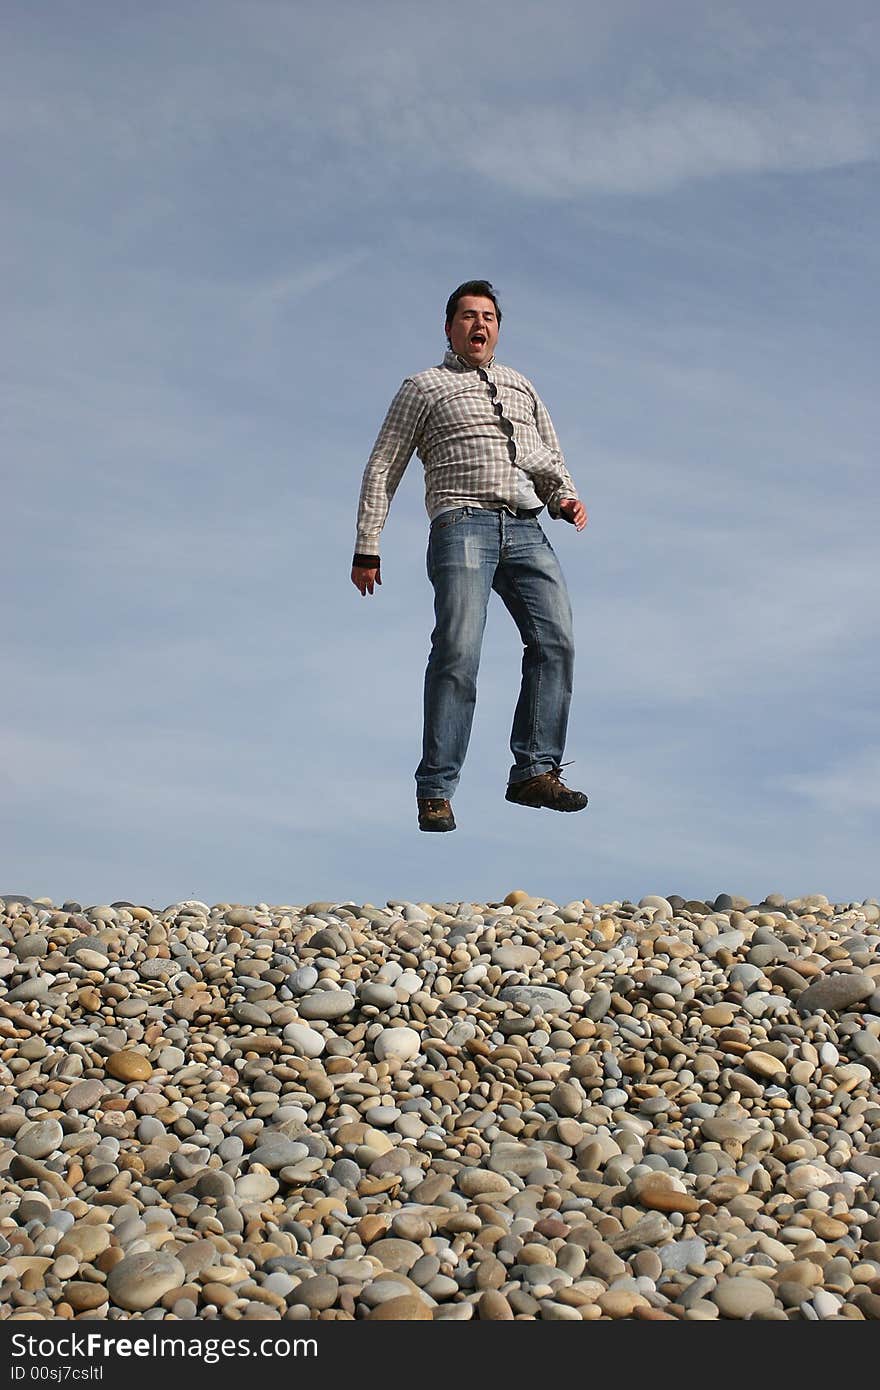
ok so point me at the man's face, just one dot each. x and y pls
(473, 329)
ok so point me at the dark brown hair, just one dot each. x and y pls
(482, 288)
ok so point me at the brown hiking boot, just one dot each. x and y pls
(546, 790)
(435, 813)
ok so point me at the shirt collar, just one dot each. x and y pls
(458, 364)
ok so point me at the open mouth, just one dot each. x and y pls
(478, 339)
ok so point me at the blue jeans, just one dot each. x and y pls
(470, 552)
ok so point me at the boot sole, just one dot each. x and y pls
(543, 806)
(444, 825)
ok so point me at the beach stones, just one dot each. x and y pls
(139, 1281)
(403, 1044)
(446, 1111)
(129, 1066)
(327, 1004)
(40, 1139)
(836, 992)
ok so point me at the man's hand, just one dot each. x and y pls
(574, 511)
(364, 579)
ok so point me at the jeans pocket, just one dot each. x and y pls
(452, 518)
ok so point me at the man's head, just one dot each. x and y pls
(473, 318)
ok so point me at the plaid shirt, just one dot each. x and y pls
(484, 436)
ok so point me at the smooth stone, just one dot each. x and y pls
(84, 1095)
(551, 1000)
(515, 957)
(302, 980)
(401, 1043)
(741, 1296)
(129, 1066)
(171, 1058)
(403, 1308)
(307, 1041)
(379, 996)
(251, 1014)
(275, 1151)
(724, 941)
(680, 1254)
(318, 1292)
(84, 1240)
(256, 1187)
(85, 1297)
(663, 911)
(473, 1181)
(327, 1004)
(835, 993)
(139, 1281)
(40, 1139)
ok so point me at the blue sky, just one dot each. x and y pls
(229, 232)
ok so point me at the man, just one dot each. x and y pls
(492, 462)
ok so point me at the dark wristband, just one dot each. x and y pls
(365, 562)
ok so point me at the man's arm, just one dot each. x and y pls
(556, 489)
(386, 465)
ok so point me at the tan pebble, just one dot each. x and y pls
(371, 1187)
(584, 1028)
(83, 1297)
(129, 1066)
(488, 1235)
(371, 1227)
(459, 1221)
(491, 1274)
(22, 1264)
(804, 1272)
(719, 1015)
(802, 1072)
(517, 896)
(621, 1303)
(724, 1189)
(406, 1308)
(475, 1181)
(492, 1306)
(573, 1296)
(763, 1064)
(85, 1241)
(827, 1228)
(535, 1254)
(326, 1206)
(656, 1192)
(569, 1132)
(411, 1225)
(574, 931)
(658, 1198)
(218, 1294)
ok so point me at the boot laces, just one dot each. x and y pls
(558, 790)
(556, 772)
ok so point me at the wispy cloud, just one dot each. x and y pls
(850, 786)
(395, 109)
(554, 152)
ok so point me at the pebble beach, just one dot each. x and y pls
(516, 1110)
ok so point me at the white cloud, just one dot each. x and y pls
(560, 153)
(385, 96)
(850, 786)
